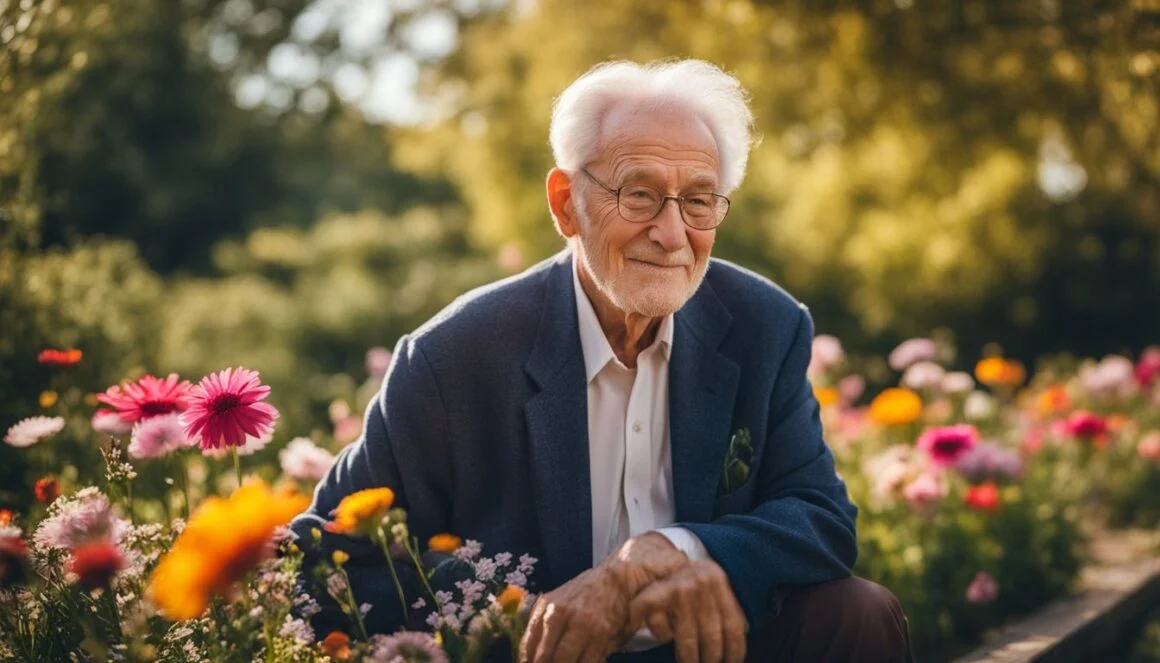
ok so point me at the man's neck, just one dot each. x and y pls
(628, 333)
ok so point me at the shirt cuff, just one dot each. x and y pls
(686, 542)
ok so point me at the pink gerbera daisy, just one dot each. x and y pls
(147, 397)
(225, 407)
(946, 444)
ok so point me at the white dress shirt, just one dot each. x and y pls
(629, 453)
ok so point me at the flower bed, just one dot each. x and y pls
(973, 490)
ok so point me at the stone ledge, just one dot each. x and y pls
(1116, 590)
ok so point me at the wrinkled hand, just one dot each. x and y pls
(696, 609)
(580, 621)
(645, 559)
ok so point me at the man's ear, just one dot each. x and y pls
(560, 202)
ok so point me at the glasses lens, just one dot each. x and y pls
(639, 203)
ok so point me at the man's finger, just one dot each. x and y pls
(570, 646)
(533, 634)
(732, 623)
(685, 629)
(553, 630)
(710, 633)
(655, 598)
(660, 626)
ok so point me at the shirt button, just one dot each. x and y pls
(636, 426)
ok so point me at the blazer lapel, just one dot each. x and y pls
(702, 391)
(557, 420)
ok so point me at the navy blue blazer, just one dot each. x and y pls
(481, 430)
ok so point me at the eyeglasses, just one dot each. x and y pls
(641, 204)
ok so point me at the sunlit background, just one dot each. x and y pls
(291, 185)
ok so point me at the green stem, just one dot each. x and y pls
(238, 466)
(394, 575)
(358, 618)
(185, 487)
(129, 496)
(413, 552)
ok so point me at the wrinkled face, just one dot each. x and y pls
(652, 268)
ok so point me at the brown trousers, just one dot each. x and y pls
(848, 620)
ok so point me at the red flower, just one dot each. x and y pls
(1087, 426)
(147, 397)
(984, 497)
(13, 560)
(337, 645)
(50, 357)
(225, 407)
(47, 489)
(96, 563)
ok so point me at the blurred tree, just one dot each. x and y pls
(987, 165)
(119, 117)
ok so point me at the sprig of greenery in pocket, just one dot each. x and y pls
(735, 470)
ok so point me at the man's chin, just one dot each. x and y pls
(650, 304)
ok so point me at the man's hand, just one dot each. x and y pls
(696, 609)
(581, 620)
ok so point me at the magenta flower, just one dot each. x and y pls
(147, 397)
(226, 407)
(157, 437)
(1148, 367)
(946, 444)
(983, 589)
(1085, 425)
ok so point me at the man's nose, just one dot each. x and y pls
(668, 228)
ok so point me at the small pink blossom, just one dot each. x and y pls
(912, 351)
(304, 460)
(378, 360)
(850, 389)
(983, 589)
(1149, 366)
(348, 429)
(946, 444)
(1149, 446)
(1113, 377)
(958, 382)
(827, 352)
(924, 491)
(923, 375)
(110, 423)
(157, 437)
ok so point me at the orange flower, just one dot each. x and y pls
(337, 646)
(48, 399)
(447, 543)
(895, 407)
(826, 396)
(511, 598)
(1000, 372)
(1053, 400)
(984, 497)
(50, 357)
(47, 489)
(361, 512)
(6, 517)
(224, 540)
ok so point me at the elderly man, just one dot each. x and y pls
(630, 411)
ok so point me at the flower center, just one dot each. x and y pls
(154, 408)
(224, 403)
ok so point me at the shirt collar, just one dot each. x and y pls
(597, 351)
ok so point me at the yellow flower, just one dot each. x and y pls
(511, 598)
(361, 512)
(340, 557)
(447, 543)
(1000, 372)
(826, 396)
(223, 541)
(896, 407)
(48, 399)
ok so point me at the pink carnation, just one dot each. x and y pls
(1085, 425)
(158, 437)
(946, 444)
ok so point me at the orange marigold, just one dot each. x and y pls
(336, 645)
(447, 543)
(826, 396)
(896, 407)
(1000, 372)
(223, 541)
(1053, 400)
(361, 512)
(511, 598)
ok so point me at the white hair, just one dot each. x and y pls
(708, 92)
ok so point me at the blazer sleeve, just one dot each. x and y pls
(401, 441)
(802, 530)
